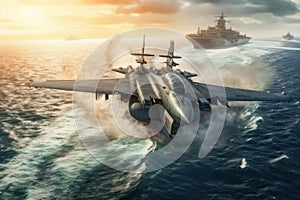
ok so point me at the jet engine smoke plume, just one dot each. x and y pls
(255, 75)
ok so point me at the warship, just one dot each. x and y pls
(218, 36)
(288, 36)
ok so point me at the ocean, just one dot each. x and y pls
(43, 157)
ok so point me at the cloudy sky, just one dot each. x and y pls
(56, 19)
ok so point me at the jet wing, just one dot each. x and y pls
(102, 86)
(234, 94)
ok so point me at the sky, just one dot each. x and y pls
(58, 19)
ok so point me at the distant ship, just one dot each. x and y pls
(217, 36)
(288, 36)
(72, 38)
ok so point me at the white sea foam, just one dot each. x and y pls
(278, 159)
(243, 163)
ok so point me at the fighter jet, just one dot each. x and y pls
(175, 90)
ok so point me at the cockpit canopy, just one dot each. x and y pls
(174, 83)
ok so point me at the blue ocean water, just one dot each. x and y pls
(42, 157)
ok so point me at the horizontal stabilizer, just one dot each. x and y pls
(142, 54)
(141, 61)
(171, 64)
(120, 70)
(188, 74)
(168, 56)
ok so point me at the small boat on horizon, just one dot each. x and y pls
(288, 36)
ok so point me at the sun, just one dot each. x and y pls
(33, 13)
(32, 16)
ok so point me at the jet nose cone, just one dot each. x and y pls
(183, 109)
(186, 119)
(187, 115)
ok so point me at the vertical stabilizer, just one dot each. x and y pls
(142, 60)
(170, 56)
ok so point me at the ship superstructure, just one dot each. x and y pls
(217, 36)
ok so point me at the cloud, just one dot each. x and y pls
(79, 2)
(275, 7)
(219, 1)
(111, 20)
(45, 2)
(3, 20)
(14, 27)
(152, 6)
(291, 20)
(250, 20)
(111, 2)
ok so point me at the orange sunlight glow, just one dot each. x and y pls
(57, 19)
